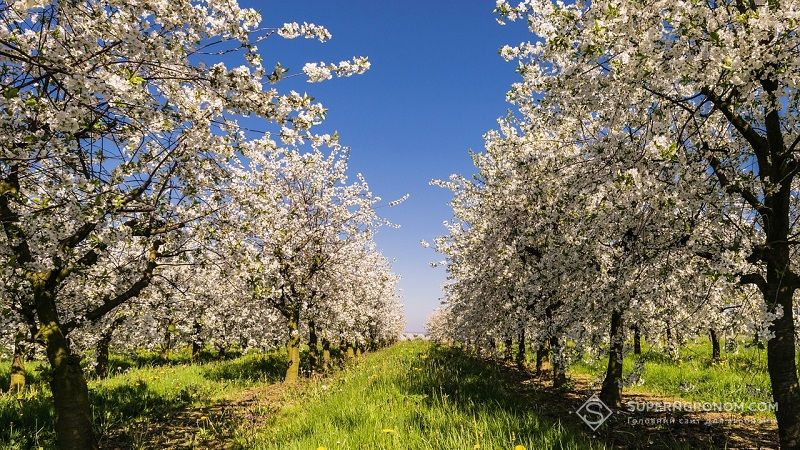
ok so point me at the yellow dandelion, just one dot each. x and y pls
(322, 448)
(476, 446)
(388, 430)
(519, 447)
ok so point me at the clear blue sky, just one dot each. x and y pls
(436, 85)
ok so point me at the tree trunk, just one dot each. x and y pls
(781, 357)
(70, 393)
(167, 342)
(222, 352)
(197, 340)
(492, 347)
(611, 392)
(508, 346)
(350, 352)
(101, 352)
(101, 356)
(293, 350)
(672, 349)
(326, 355)
(521, 356)
(557, 361)
(17, 384)
(541, 355)
(313, 350)
(637, 340)
(715, 353)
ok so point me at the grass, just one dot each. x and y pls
(739, 376)
(142, 392)
(415, 396)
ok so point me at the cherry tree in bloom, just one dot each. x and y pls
(719, 81)
(300, 223)
(119, 121)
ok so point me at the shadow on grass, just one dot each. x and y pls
(26, 423)
(486, 388)
(119, 363)
(270, 367)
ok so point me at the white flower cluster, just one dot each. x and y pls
(318, 72)
(293, 30)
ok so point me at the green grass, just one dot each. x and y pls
(740, 376)
(141, 393)
(415, 396)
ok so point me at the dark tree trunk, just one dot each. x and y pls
(715, 351)
(541, 356)
(557, 361)
(313, 350)
(70, 393)
(293, 350)
(637, 340)
(611, 392)
(101, 364)
(521, 356)
(197, 340)
(781, 356)
(326, 355)
(492, 347)
(508, 346)
(167, 342)
(672, 351)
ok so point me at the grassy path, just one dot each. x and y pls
(419, 396)
(413, 395)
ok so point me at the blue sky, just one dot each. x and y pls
(436, 85)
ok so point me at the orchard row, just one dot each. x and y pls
(157, 188)
(645, 185)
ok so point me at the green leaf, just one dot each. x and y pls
(10, 93)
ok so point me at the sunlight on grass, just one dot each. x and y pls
(739, 376)
(413, 396)
(135, 395)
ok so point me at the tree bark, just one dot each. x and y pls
(17, 384)
(326, 355)
(508, 346)
(637, 340)
(611, 392)
(492, 347)
(715, 351)
(672, 349)
(541, 355)
(557, 362)
(101, 352)
(167, 342)
(197, 340)
(70, 393)
(521, 356)
(313, 350)
(781, 356)
(293, 350)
